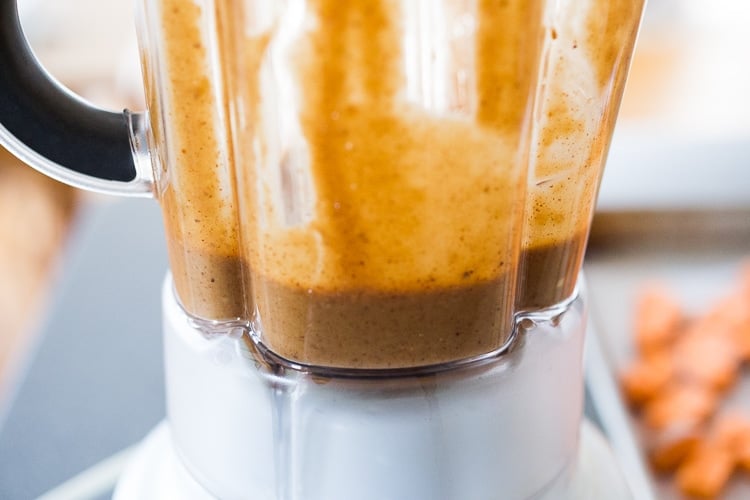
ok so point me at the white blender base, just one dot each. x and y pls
(506, 428)
(156, 473)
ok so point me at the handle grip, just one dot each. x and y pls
(58, 133)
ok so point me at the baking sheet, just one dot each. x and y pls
(698, 255)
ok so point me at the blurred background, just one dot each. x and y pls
(688, 91)
(90, 46)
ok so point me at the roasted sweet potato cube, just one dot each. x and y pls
(733, 432)
(646, 377)
(658, 316)
(732, 311)
(679, 405)
(706, 471)
(706, 358)
(740, 337)
(671, 446)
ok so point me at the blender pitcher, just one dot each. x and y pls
(376, 213)
(347, 176)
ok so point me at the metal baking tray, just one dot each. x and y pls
(698, 254)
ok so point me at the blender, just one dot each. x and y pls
(376, 213)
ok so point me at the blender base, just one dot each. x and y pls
(507, 428)
(156, 473)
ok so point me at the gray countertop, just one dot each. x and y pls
(92, 384)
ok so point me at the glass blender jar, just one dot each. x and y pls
(359, 178)
(376, 212)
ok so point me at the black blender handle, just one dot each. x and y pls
(56, 132)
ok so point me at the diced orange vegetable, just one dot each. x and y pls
(657, 318)
(742, 455)
(706, 471)
(729, 318)
(646, 377)
(706, 359)
(732, 311)
(680, 405)
(732, 431)
(671, 446)
(741, 338)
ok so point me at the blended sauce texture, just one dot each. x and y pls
(194, 178)
(377, 228)
(360, 224)
(308, 185)
(586, 58)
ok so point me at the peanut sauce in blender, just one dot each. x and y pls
(359, 227)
